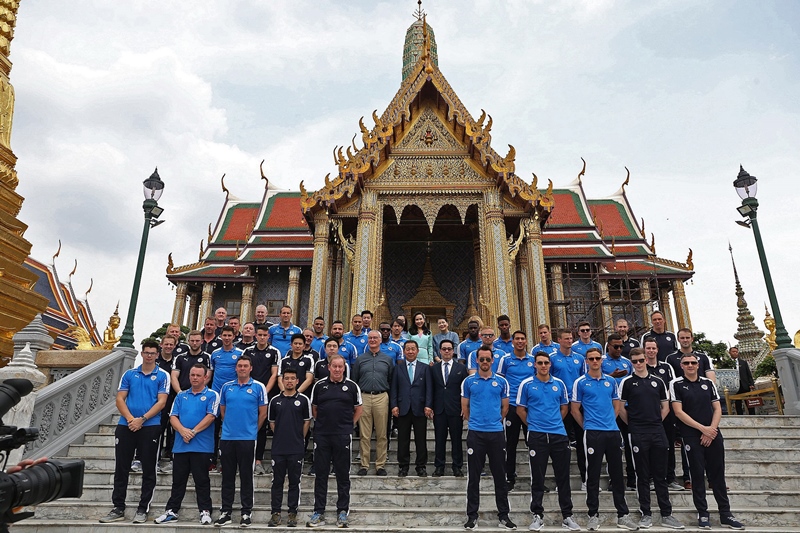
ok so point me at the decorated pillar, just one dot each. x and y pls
(498, 287)
(480, 262)
(605, 307)
(194, 305)
(527, 323)
(179, 309)
(557, 286)
(293, 294)
(367, 254)
(666, 308)
(681, 306)
(248, 291)
(336, 310)
(207, 301)
(647, 306)
(319, 267)
(536, 281)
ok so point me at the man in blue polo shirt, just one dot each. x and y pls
(192, 416)
(471, 343)
(619, 367)
(516, 367)
(223, 366)
(141, 396)
(585, 341)
(346, 349)
(246, 398)
(487, 337)
(280, 335)
(388, 346)
(318, 343)
(596, 393)
(543, 403)
(357, 336)
(568, 366)
(505, 340)
(484, 404)
(546, 343)
(289, 416)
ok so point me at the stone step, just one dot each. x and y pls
(451, 515)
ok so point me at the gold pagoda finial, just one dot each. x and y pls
(58, 252)
(627, 179)
(91, 284)
(689, 261)
(224, 188)
(419, 13)
(263, 177)
(583, 170)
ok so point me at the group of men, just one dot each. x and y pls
(561, 395)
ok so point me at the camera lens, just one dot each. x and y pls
(44, 482)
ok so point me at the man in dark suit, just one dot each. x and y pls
(410, 393)
(445, 408)
(746, 381)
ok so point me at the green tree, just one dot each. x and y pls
(767, 367)
(717, 351)
(158, 334)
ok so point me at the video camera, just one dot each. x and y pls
(42, 482)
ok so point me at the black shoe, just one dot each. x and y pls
(439, 472)
(506, 523)
(362, 472)
(422, 472)
(458, 472)
(471, 523)
(382, 472)
(403, 472)
(223, 520)
(394, 433)
(510, 485)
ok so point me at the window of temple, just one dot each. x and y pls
(233, 307)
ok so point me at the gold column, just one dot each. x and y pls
(525, 297)
(248, 291)
(319, 267)
(336, 310)
(557, 284)
(293, 294)
(480, 264)
(681, 306)
(19, 304)
(330, 278)
(647, 307)
(666, 308)
(179, 309)
(537, 284)
(367, 255)
(194, 304)
(605, 308)
(497, 277)
(206, 303)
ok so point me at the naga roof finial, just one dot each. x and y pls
(627, 179)
(58, 252)
(224, 188)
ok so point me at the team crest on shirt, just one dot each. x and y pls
(635, 449)
(344, 388)
(301, 363)
(202, 398)
(576, 361)
(533, 453)
(704, 386)
(555, 388)
(590, 451)
(233, 356)
(654, 384)
(249, 391)
(688, 448)
(153, 378)
(607, 384)
(661, 371)
(530, 364)
(297, 403)
(668, 338)
(494, 384)
(470, 451)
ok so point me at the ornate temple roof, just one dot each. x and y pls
(64, 308)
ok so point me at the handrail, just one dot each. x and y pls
(69, 408)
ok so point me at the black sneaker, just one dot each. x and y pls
(223, 520)
(506, 523)
(471, 523)
(731, 522)
(703, 523)
(245, 521)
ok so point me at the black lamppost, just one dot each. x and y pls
(746, 187)
(153, 187)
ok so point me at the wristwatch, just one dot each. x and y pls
(144, 418)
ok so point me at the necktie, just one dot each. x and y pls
(411, 372)
(446, 372)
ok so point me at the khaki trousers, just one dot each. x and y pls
(375, 415)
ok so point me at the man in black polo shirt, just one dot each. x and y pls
(622, 329)
(644, 405)
(264, 358)
(185, 362)
(336, 407)
(696, 403)
(303, 364)
(665, 339)
(289, 417)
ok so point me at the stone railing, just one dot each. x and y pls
(68, 408)
(788, 363)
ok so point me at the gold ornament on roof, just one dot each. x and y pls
(643, 232)
(75, 268)
(583, 170)
(58, 252)
(110, 338)
(81, 336)
(224, 188)
(170, 264)
(263, 177)
(627, 179)
(653, 243)
(689, 262)
(91, 284)
(506, 164)
(209, 234)
(200, 257)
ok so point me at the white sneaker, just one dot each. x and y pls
(168, 516)
(571, 524)
(205, 518)
(626, 522)
(594, 523)
(536, 524)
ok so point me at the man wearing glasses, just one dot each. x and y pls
(696, 403)
(645, 404)
(484, 404)
(618, 368)
(446, 378)
(487, 337)
(597, 394)
(388, 346)
(585, 341)
(543, 403)
(568, 366)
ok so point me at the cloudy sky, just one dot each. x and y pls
(681, 92)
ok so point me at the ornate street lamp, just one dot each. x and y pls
(746, 186)
(153, 188)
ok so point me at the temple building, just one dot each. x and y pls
(424, 215)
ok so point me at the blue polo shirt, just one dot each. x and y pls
(567, 368)
(359, 341)
(485, 397)
(581, 348)
(506, 346)
(544, 399)
(610, 365)
(191, 408)
(472, 361)
(516, 370)
(549, 349)
(223, 363)
(143, 390)
(346, 350)
(466, 347)
(281, 337)
(243, 400)
(318, 344)
(597, 397)
(393, 350)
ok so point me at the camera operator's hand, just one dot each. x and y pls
(136, 424)
(27, 463)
